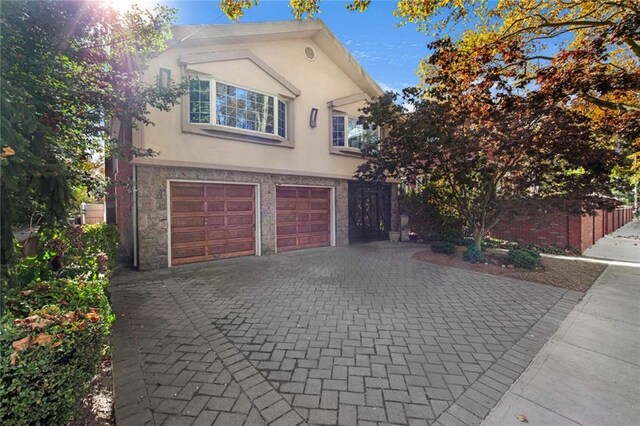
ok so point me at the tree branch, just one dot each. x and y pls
(583, 24)
(602, 103)
(635, 48)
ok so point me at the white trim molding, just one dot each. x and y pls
(347, 100)
(230, 55)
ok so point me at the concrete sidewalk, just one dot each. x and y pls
(622, 244)
(589, 371)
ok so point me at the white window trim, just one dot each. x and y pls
(213, 113)
(346, 146)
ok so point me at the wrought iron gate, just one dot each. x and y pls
(369, 211)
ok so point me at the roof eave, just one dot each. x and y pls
(313, 29)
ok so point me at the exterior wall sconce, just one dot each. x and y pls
(164, 79)
(313, 117)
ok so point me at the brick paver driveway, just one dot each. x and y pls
(355, 335)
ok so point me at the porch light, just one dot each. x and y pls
(313, 117)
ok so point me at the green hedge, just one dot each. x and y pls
(473, 255)
(102, 237)
(524, 258)
(445, 247)
(54, 330)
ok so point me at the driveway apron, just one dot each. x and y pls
(352, 335)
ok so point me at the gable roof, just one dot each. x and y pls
(313, 29)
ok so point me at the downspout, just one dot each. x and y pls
(134, 216)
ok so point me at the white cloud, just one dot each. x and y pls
(408, 107)
(387, 87)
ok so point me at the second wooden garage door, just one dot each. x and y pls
(303, 217)
(211, 221)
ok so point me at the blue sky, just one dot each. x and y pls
(390, 54)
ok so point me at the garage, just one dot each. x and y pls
(211, 221)
(303, 217)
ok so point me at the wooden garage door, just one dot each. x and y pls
(211, 221)
(303, 217)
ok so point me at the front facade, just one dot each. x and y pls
(260, 155)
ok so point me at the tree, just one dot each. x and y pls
(68, 69)
(583, 53)
(493, 141)
(602, 38)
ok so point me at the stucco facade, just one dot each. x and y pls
(307, 73)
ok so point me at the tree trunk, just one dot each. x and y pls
(477, 238)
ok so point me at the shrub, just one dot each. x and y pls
(524, 258)
(430, 213)
(443, 247)
(551, 250)
(54, 330)
(102, 237)
(48, 358)
(473, 255)
(492, 242)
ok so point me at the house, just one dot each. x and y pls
(259, 157)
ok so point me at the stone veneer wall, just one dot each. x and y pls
(152, 206)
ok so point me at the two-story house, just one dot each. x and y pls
(259, 157)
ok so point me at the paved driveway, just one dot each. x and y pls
(354, 335)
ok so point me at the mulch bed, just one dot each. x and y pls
(97, 407)
(565, 273)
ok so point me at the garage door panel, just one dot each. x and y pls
(319, 217)
(286, 244)
(287, 229)
(215, 220)
(239, 192)
(220, 234)
(188, 252)
(216, 248)
(313, 238)
(188, 237)
(240, 219)
(245, 246)
(319, 238)
(211, 221)
(283, 192)
(318, 193)
(319, 227)
(302, 217)
(231, 249)
(239, 233)
(187, 206)
(285, 203)
(186, 191)
(215, 191)
(215, 206)
(187, 222)
(319, 205)
(215, 234)
(239, 206)
(285, 217)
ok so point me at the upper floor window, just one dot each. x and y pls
(236, 107)
(349, 133)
